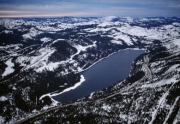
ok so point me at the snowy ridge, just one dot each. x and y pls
(119, 31)
(32, 33)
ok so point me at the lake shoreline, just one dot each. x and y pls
(107, 57)
(82, 78)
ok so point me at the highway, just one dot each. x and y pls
(146, 76)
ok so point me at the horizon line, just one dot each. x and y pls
(11, 17)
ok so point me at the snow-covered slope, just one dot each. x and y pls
(44, 56)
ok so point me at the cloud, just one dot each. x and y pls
(175, 6)
(34, 8)
(63, 10)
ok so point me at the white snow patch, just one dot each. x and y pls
(81, 33)
(3, 98)
(50, 66)
(48, 28)
(109, 18)
(14, 88)
(116, 42)
(105, 24)
(106, 107)
(22, 60)
(8, 32)
(176, 24)
(45, 107)
(177, 42)
(34, 111)
(58, 40)
(83, 48)
(90, 97)
(45, 39)
(2, 120)
(172, 68)
(32, 33)
(66, 90)
(161, 82)
(126, 38)
(129, 19)
(9, 68)
(40, 62)
(123, 116)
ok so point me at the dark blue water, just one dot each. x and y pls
(103, 74)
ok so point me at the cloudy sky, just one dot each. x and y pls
(93, 8)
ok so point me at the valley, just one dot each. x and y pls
(43, 56)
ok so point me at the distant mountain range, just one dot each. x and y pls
(39, 56)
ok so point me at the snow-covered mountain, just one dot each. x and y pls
(40, 56)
